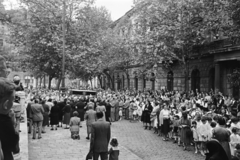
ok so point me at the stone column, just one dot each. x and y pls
(217, 77)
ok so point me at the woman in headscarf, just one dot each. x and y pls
(223, 136)
(215, 151)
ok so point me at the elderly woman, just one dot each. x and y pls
(75, 123)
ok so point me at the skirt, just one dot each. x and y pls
(45, 120)
(66, 118)
(166, 126)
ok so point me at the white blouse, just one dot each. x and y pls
(165, 113)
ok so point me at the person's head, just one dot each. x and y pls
(75, 113)
(194, 124)
(114, 142)
(7, 95)
(165, 106)
(204, 119)
(99, 115)
(234, 120)
(213, 124)
(234, 130)
(55, 103)
(221, 121)
(36, 101)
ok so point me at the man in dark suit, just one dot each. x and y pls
(101, 133)
(80, 109)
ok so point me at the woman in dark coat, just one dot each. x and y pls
(185, 125)
(146, 115)
(46, 109)
(54, 117)
(66, 115)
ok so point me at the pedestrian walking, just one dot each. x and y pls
(100, 137)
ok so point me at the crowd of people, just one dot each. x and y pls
(205, 121)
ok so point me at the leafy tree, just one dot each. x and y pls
(170, 31)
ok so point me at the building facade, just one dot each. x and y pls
(204, 73)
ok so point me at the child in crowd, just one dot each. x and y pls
(204, 134)
(120, 114)
(195, 136)
(114, 151)
(176, 129)
(234, 140)
(213, 125)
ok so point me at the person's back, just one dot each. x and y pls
(100, 137)
(37, 112)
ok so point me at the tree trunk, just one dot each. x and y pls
(49, 82)
(100, 81)
(44, 81)
(40, 82)
(36, 82)
(110, 79)
(59, 83)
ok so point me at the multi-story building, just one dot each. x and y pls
(210, 72)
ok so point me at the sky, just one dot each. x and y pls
(117, 8)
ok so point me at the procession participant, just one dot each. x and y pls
(46, 113)
(75, 123)
(101, 108)
(90, 117)
(37, 115)
(54, 121)
(66, 114)
(80, 109)
(61, 105)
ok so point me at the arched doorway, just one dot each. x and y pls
(144, 81)
(113, 83)
(211, 83)
(152, 79)
(170, 81)
(195, 80)
(118, 83)
(123, 82)
(136, 83)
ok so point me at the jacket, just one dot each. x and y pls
(90, 116)
(100, 137)
(8, 136)
(37, 112)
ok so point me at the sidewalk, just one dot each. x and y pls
(57, 145)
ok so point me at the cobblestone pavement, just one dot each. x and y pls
(135, 143)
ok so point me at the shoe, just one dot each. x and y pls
(39, 137)
(43, 132)
(29, 132)
(55, 128)
(87, 138)
(51, 129)
(174, 141)
(145, 127)
(33, 138)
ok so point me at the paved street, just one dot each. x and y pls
(135, 144)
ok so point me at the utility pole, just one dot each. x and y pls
(63, 49)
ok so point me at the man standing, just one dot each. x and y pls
(101, 133)
(90, 116)
(37, 116)
(8, 136)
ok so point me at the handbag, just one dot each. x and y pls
(89, 155)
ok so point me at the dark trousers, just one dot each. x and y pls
(103, 155)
